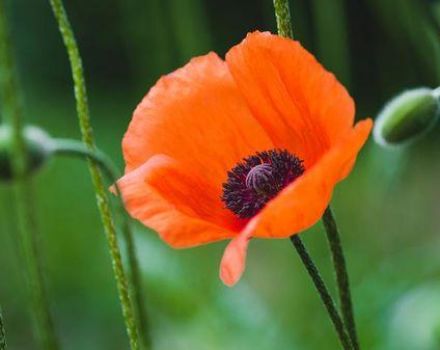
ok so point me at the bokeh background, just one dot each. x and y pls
(388, 210)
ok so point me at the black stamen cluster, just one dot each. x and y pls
(250, 186)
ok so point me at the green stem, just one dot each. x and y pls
(24, 196)
(342, 279)
(75, 148)
(322, 291)
(100, 190)
(282, 14)
(2, 333)
(136, 282)
(11, 106)
(284, 24)
(30, 244)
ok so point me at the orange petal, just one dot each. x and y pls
(176, 221)
(197, 116)
(302, 106)
(301, 204)
(234, 258)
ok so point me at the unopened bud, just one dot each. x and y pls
(38, 146)
(407, 116)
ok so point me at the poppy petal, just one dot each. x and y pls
(302, 204)
(162, 207)
(301, 105)
(234, 258)
(197, 116)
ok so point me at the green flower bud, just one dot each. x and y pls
(407, 116)
(38, 146)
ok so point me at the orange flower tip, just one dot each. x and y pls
(234, 259)
(229, 277)
(113, 190)
(364, 126)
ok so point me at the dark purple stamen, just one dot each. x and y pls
(259, 178)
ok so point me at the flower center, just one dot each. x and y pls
(260, 178)
(257, 179)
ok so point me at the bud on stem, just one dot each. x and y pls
(407, 116)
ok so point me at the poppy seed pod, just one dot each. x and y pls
(38, 145)
(407, 116)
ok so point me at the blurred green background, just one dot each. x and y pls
(388, 210)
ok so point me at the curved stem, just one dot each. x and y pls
(24, 196)
(75, 148)
(342, 279)
(322, 291)
(2, 333)
(78, 149)
(100, 190)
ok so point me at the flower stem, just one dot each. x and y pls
(31, 247)
(282, 14)
(101, 193)
(2, 333)
(77, 149)
(342, 279)
(23, 191)
(322, 291)
(284, 24)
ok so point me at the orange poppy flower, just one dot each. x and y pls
(247, 147)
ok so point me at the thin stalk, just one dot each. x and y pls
(31, 246)
(78, 149)
(322, 291)
(98, 183)
(282, 14)
(342, 279)
(75, 148)
(2, 333)
(24, 195)
(284, 24)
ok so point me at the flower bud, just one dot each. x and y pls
(38, 145)
(407, 116)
